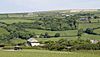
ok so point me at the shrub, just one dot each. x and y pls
(89, 30)
(57, 35)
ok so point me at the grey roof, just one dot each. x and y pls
(32, 40)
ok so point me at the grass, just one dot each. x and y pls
(63, 33)
(46, 53)
(17, 41)
(84, 37)
(89, 25)
(90, 36)
(97, 31)
(56, 39)
(10, 21)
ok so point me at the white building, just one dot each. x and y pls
(33, 42)
(94, 41)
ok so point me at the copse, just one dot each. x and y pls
(71, 45)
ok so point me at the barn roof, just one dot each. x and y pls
(32, 40)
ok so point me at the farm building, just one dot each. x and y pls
(83, 19)
(94, 41)
(33, 42)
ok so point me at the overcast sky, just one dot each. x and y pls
(44, 5)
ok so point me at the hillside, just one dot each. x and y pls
(51, 25)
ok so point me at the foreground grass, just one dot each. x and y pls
(45, 53)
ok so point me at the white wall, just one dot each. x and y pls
(35, 44)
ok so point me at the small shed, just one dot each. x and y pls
(94, 41)
(83, 19)
(33, 42)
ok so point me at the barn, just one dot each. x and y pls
(33, 42)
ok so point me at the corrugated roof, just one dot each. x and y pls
(32, 40)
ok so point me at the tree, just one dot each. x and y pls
(57, 35)
(80, 32)
(41, 35)
(89, 19)
(89, 30)
(46, 35)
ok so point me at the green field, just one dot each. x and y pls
(46, 53)
(10, 21)
(90, 36)
(56, 39)
(97, 31)
(63, 33)
(89, 25)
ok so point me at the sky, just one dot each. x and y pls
(11, 6)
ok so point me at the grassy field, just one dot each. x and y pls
(10, 21)
(90, 36)
(84, 37)
(45, 53)
(63, 33)
(89, 25)
(97, 31)
(56, 39)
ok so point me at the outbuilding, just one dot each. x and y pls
(33, 42)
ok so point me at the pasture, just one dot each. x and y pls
(97, 31)
(46, 53)
(63, 33)
(10, 21)
(88, 25)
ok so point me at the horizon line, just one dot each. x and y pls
(50, 10)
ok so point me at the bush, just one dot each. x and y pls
(89, 30)
(57, 35)
(46, 35)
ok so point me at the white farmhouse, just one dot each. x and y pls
(33, 42)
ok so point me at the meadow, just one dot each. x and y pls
(46, 53)
(10, 21)
(52, 33)
(97, 31)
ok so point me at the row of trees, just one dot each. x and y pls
(71, 45)
(18, 31)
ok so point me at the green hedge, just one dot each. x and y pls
(23, 47)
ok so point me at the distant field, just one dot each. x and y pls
(63, 33)
(90, 36)
(89, 25)
(84, 37)
(97, 31)
(45, 53)
(56, 39)
(92, 20)
(10, 21)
